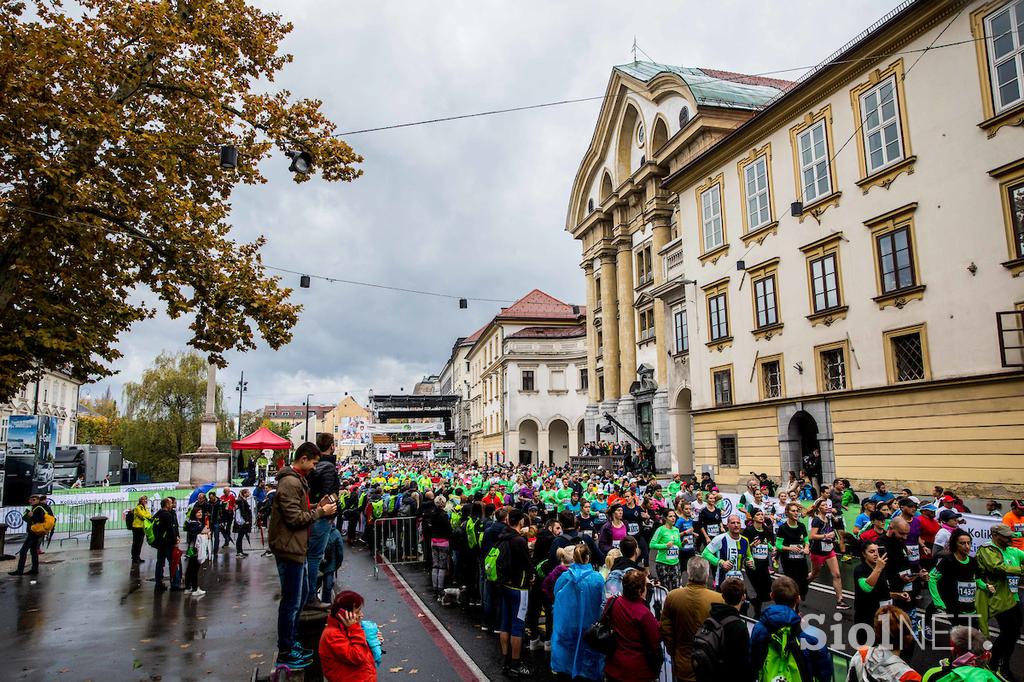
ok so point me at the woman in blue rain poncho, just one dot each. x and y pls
(579, 597)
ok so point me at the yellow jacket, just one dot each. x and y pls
(141, 513)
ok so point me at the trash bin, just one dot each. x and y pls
(98, 527)
(3, 541)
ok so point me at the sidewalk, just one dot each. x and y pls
(91, 617)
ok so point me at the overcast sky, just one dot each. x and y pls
(472, 208)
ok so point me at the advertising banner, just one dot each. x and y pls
(352, 431)
(417, 427)
(31, 449)
(413, 447)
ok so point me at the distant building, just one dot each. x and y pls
(293, 415)
(430, 385)
(54, 395)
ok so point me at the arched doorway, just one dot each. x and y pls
(528, 431)
(682, 432)
(581, 436)
(558, 442)
(803, 438)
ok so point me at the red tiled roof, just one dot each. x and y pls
(538, 305)
(475, 335)
(550, 332)
(749, 80)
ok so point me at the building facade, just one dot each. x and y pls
(848, 253)
(296, 415)
(454, 381)
(527, 380)
(653, 121)
(55, 394)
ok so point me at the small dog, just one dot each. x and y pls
(452, 596)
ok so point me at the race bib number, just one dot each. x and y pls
(885, 602)
(601, 517)
(672, 552)
(1014, 582)
(734, 574)
(615, 543)
(1018, 528)
(712, 530)
(633, 528)
(965, 590)
(588, 533)
(826, 547)
(914, 553)
(760, 552)
(907, 587)
(688, 540)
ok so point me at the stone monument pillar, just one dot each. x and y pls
(206, 464)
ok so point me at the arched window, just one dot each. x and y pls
(684, 116)
(660, 135)
(590, 205)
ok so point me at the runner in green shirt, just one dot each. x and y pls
(667, 541)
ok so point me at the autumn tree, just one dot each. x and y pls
(162, 412)
(111, 118)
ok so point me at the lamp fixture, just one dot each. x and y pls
(228, 157)
(796, 208)
(741, 264)
(302, 162)
(463, 304)
(304, 281)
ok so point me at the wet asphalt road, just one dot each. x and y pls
(91, 617)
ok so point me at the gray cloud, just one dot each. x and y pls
(474, 207)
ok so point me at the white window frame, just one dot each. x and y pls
(757, 204)
(881, 124)
(762, 298)
(818, 165)
(711, 214)
(680, 327)
(1016, 55)
(718, 309)
(533, 380)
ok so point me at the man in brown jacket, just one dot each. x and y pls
(290, 519)
(685, 610)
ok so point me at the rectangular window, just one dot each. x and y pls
(722, 380)
(528, 384)
(833, 367)
(557, 380)
(814, 163)
(755, 182)
(682, 332)
(600, 343)
(1016, 199)
(771, 379)
(711, 216)
(765, 302)
(1004, 34)
(644, 265)
(824, 283)
(584, 380)
(718, 318)
(908, 357)
(646, 324)
(727, 456)
(600, 387)
(895, 261)
(883, 140)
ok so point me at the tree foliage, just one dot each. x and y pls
(97, 429)
(111, 114)
(162, 413)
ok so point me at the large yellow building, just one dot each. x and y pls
(837, 264)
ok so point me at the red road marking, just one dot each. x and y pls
(465, 674)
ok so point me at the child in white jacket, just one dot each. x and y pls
(198, 554)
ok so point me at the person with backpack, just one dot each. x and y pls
(781, 648)
(627, 561)
(508, 564)
(35, 521)
(637, 656)
(165, 539)
(139, 514)
(685, 610)
(721, 648)
(579, 595)
(440, 529)
(893, 634)
(968, 661)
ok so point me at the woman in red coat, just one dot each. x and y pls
(638, 654)
(344, 653)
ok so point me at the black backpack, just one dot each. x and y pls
(129, 518)
(709, 649)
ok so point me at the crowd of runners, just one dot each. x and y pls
(622, 577)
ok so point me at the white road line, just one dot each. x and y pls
(473, 668)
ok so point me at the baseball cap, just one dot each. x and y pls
(948, 515)
(948, 498)
(908, 500)
(929, 507)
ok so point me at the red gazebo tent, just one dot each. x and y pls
(262, 439)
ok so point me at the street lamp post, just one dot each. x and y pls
(306, 415)
(242, 387)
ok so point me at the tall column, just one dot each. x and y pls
(627, 316)
(574, 442)
(543, 446)
(208, 424)
(610, 326)
(593, 395)
(661, 237)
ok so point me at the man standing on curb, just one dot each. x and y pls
(323, 483)
(290, 519)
